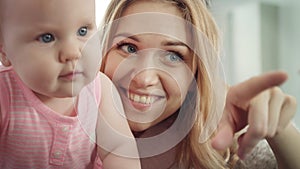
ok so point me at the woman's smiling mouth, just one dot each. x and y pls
(144, 99)
(140, 101)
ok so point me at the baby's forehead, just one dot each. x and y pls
(13, 6)
(48, 9)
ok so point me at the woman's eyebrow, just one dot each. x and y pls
(126, 35)
(174, 43)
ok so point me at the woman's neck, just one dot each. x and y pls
(156, 129)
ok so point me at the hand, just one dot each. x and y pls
(261, 105)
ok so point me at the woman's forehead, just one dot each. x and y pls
(161, 6)
(153, 23)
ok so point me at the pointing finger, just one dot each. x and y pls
(241, 94)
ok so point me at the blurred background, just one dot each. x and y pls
(260, 36)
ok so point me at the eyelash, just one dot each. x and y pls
(121, 44)
(124, 43)
(178, 54)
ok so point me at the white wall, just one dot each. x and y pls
(289, 59)
(245, 34)
(100, 9)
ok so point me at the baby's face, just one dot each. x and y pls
(44, 39)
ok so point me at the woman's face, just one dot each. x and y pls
(151, 71)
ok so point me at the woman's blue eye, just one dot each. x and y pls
(173, 57)
(128, 48)
(131, 49)
(46, 38)
(82, 31)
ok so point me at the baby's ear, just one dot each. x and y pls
(4, 60)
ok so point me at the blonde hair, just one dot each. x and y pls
(191, 154)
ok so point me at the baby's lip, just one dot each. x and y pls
(70, 74)
(73, 72)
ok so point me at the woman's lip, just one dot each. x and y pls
(139, 106)
(138, 103)
(149, 94)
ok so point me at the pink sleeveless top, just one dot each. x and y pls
(34, 136)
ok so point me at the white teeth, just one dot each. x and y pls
(141, 99)
(148, 101)
(136, 98)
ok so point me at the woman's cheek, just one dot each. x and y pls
(108, 71)
(110, 67)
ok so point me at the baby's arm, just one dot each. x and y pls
(116, 144)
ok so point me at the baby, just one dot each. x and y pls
(49, 86)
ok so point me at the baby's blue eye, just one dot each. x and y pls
(46, 38)
(82, 31)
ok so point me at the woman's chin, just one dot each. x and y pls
(139, 127)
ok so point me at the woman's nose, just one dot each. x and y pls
(145, 78)
(70, 51)
(145, 72)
